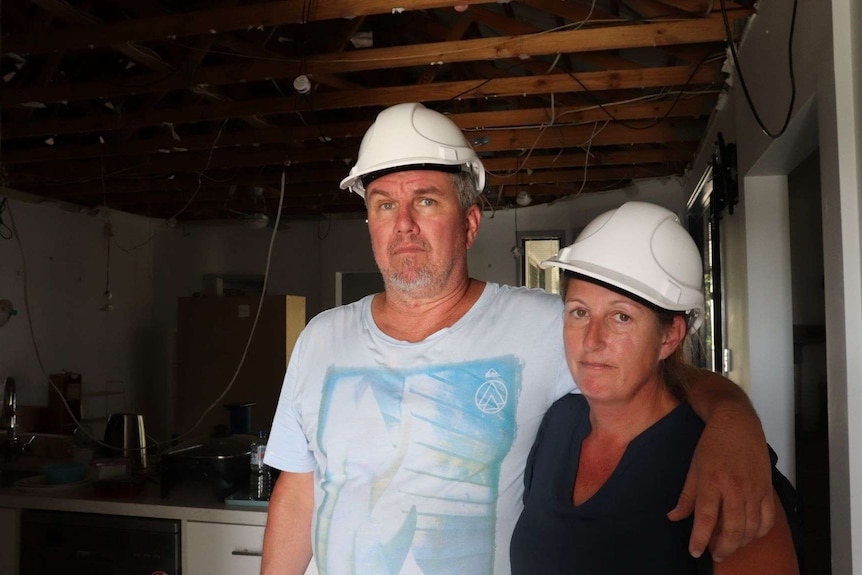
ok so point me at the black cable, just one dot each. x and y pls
(328, 226)
(5, 231)
(735, 57)
(498, 75)
(625, 124)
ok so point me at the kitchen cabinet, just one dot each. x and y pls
(211, 336)
(225, 549)
(8, 541)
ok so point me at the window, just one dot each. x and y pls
(535, 247)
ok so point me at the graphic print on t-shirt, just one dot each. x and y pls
(412, 466)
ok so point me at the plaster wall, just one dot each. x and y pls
(63, 273)
(826, 114)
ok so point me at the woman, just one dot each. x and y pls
(608, 465)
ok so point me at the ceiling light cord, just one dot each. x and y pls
(735, 56)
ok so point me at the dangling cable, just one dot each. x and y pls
(735, 57)
(256, 315)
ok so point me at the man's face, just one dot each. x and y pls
(419, 232)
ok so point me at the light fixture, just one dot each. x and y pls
(257, 221)
(302, 84)
(523, 198)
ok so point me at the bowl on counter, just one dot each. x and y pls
(64, 472)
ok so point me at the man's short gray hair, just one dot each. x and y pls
(466, 189)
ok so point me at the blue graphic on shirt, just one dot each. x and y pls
(412, 466)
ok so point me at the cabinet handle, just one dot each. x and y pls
(246, 553)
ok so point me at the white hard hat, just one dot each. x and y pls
(640, 249)
(412, 137)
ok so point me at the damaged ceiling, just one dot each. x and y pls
(194, 110)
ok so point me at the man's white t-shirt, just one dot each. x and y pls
(418, 449)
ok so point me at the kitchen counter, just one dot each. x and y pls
(193, 500)
(216, 538)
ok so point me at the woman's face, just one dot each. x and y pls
(613, 344)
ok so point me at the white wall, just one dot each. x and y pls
(842, 217)
(65, 256)
(769, 325)
(827, 56)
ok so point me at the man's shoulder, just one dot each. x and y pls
(537, 295)
(524, 299)
(338, 315)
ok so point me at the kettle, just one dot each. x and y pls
(125, 437)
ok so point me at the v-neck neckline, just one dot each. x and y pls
(625, 459)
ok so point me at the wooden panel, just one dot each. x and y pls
(212, 333)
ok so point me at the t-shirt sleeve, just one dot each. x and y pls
(287, 448)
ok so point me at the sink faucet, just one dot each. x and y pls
(9, 416)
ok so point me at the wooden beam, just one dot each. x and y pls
(499, 172)
(209, 21)
(455, 33)
(690, 31)
(508, 140)
(577, 175)
(575, 41)
(580, 136)
(513, 27)
(297, 135)
(518, 86)
(598, 157)
(69, 13)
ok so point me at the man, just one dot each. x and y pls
(406, 418)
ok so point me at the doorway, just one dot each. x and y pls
(809, 363)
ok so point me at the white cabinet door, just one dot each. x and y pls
(8, 541)
(224, 549)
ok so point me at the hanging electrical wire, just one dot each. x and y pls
(201, 173)
(595, 133)
(656, 122)
(735, 56)
(5, 231)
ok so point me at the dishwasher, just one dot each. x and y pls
(88, 543)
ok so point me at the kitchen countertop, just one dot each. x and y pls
(192, 500)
